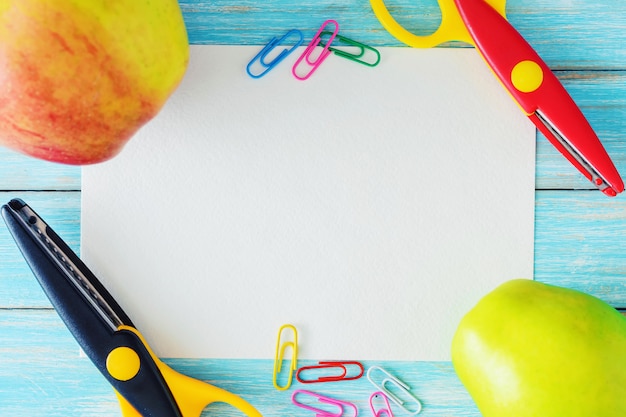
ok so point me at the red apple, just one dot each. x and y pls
(79, 77)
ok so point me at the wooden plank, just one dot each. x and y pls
(579, 243)
(18, 287)
(601, 96)
(584, 35)
(573, 35)
(41, 374)
(19, 172)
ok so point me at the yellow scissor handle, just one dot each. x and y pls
(451, 28)
(191, 395)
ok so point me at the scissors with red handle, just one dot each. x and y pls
(526, 77)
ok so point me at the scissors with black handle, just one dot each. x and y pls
(145, 386)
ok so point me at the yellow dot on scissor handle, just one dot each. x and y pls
(123, 363)
(527, 76)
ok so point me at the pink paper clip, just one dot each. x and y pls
(306, 55)
(383, 411)
(339, 405)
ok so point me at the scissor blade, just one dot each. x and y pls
(573, 154)
(43, 249)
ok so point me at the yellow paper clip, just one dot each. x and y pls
(401, 387)
(280, 356)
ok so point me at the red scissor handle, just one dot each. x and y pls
(538, 91)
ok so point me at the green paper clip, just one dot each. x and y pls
(361, 50)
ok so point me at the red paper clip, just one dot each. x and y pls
(343, 376)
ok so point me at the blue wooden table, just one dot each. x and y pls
(579, 235)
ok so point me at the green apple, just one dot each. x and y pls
(529, 349)
(79, 77)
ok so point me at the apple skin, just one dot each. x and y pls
(79, 77)
(529, 349)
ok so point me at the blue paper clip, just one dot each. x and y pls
(339, 405)
(306, 55)
(261, 57)
(400, 386)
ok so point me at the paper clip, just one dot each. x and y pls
(340, 406)
(358, 55)
(261, 57)
(401, 386)
(306, 55)
(343, 376)
(280, 356)
(380, 412)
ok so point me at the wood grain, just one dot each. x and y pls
(579, 233)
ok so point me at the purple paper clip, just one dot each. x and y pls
(320, 412)
(306, 55)
(383, 411)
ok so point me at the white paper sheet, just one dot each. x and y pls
(370, 207)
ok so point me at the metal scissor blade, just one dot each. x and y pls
(52, 261)
(575, 156)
